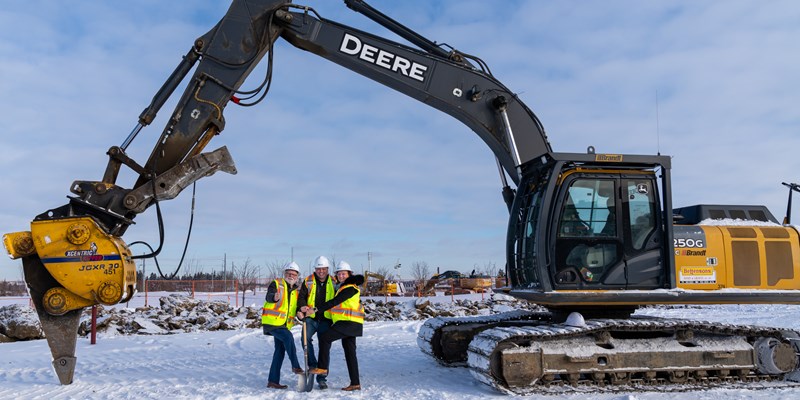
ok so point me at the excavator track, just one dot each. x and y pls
(527, 357)
(446, 338)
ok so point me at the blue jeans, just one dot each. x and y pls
(315, 327)
(284, 344)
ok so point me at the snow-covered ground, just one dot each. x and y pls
(234, 365)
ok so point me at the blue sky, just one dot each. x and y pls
(333, 163)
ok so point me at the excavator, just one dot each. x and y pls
(380, 286)
(591, 236)
(454, 282)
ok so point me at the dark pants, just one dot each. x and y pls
(348, 344)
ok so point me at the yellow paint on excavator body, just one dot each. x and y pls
(741, 257)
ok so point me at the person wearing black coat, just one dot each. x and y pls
(348, 323)
(321, 284)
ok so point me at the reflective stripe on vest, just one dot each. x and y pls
(281, 312)
(311, 285)
(350, 309)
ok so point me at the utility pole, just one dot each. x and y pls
(224, 274)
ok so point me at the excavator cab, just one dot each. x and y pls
(594, 233)
(593, 225)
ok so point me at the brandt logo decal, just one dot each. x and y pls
(608, 157)
(355, 47)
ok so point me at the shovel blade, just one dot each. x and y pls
(305, 382)
(301, 383)
(309, 381)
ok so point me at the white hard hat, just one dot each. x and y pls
(343, 266)
(322, 262)
(292, 266)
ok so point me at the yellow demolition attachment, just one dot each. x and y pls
(90, 265)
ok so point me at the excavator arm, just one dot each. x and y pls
(73, 256)
(470, 95)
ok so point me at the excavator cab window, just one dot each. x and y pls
(524, 233)
(587, 244)
(589, 210)
(641, 211)
(607, 232)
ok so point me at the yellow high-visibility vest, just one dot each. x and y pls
(311, 284)
(350, 309)
(283, 311)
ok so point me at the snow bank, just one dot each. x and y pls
(735, 222)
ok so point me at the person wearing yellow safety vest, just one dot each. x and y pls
(348, 323)
(317, 288)
(277, 317)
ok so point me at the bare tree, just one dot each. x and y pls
(386, 272)
(420, 271)
(333, 262)
(193, 267)
(274, 269)
(247, 275)
(490, 268)
(188, 271)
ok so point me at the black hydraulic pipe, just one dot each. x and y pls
(384, 20)
(149, 114)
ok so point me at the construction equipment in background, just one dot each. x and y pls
(454, 282)
(441, 282)
(426, 288)
(476, 282)
(590, 236)
(500, 282)
(377, 285)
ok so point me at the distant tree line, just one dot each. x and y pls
(13, 288)
(196, 276)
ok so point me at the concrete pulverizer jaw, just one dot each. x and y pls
(61, 331)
